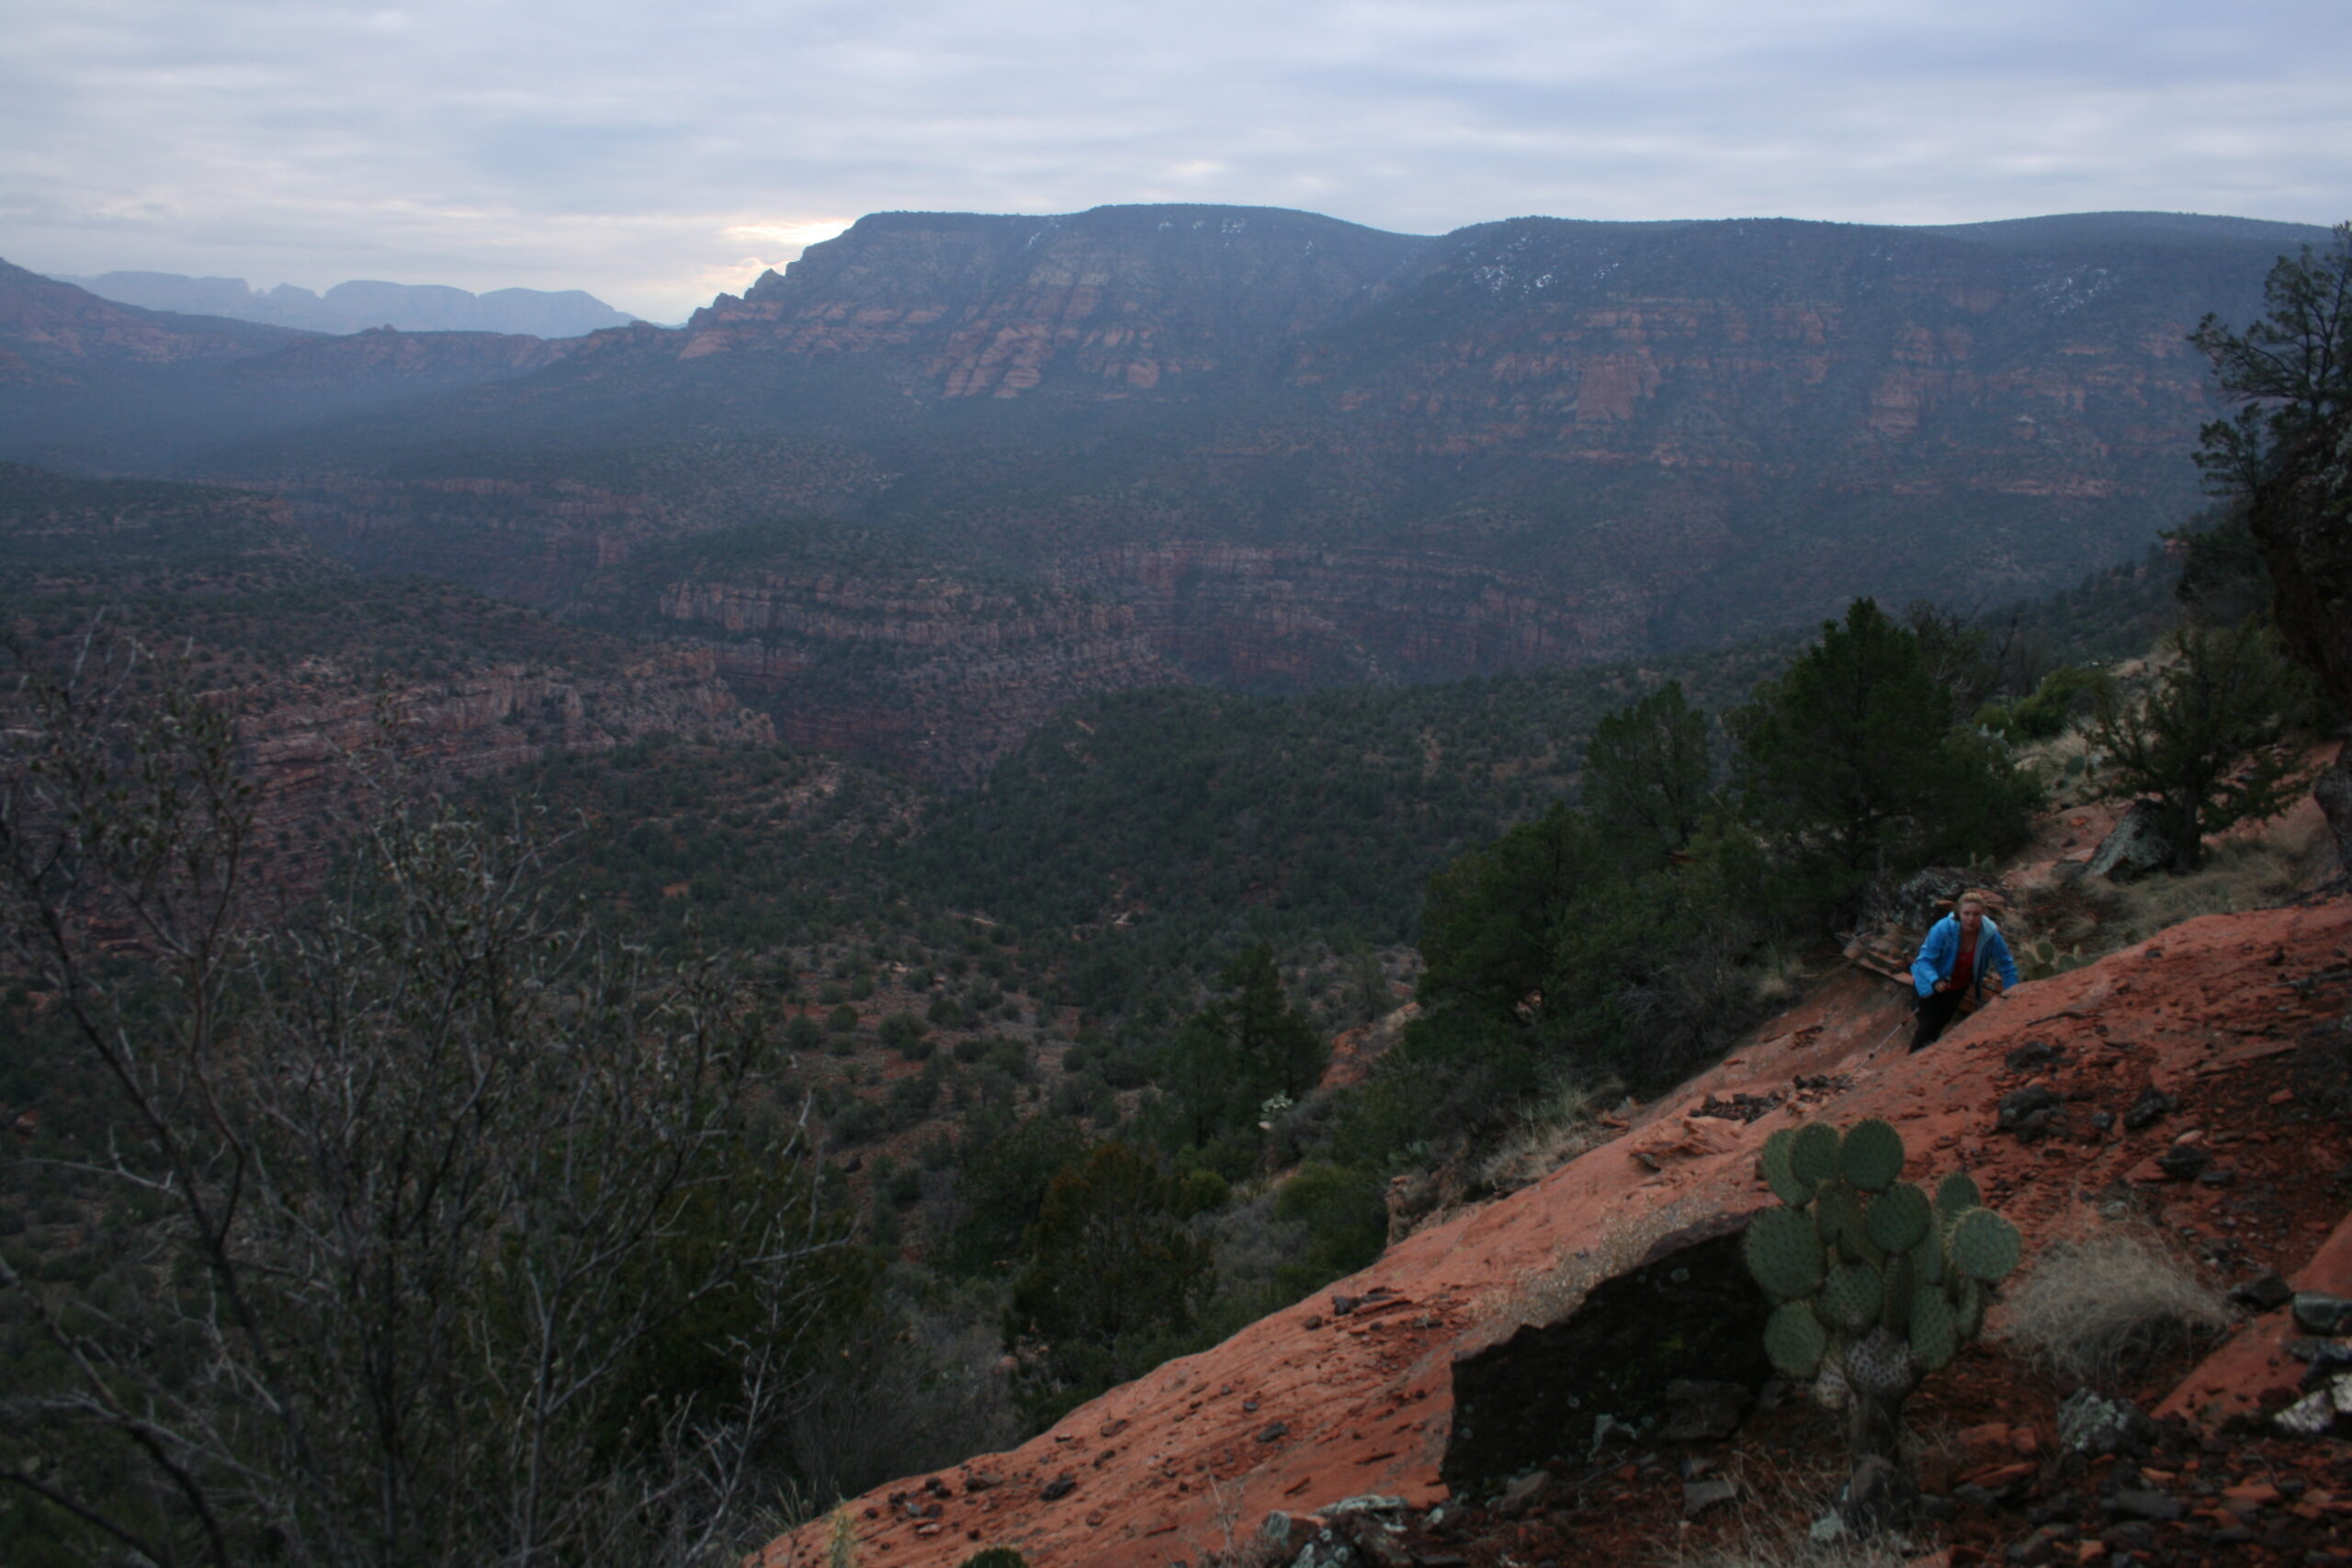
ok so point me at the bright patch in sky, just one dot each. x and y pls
(655, 155)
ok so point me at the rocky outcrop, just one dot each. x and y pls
(1114, 301)
(2235, 1017)
(1280, 618)
(319, 744)
(927, 674)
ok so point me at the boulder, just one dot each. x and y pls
(2137, 846)
(1646, 1350)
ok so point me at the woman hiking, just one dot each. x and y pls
(1962, 951)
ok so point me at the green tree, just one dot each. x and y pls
(2291, 371)
(1852, 764)
(1000, 1187)
(2286, 460)
(1647, 775)
(1248, 1046)
(2206, 742)
(1114, 1276)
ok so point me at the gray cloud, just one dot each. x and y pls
(654, 157)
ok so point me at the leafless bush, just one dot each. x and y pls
(453, 1233)
(2094, 1309)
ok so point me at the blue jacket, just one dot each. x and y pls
(1942, 951)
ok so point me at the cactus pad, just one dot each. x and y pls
(1934, 1333)
(1902, 1277)
(1968, 1308)
(1783, 1253)
(1983, 1246)
(1840, 1220)
(1872, 1155)
(1850, 1298)
(1900, 1217)
(1779, 1173)
(1813, 1153)
(1955, 1195)
(1796, 1340)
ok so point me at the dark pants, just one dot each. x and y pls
(1936, 1009)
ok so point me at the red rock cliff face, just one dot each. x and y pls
(1271, 617)
(301, 737)
(927, 674)
(1118, 298)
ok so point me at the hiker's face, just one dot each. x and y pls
(1971, 917)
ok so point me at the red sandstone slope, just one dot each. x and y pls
(1301, 1409)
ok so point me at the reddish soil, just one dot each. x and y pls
(2239, 1018)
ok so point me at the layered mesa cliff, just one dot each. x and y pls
(922, 672)
(334, 680)
(1299, 450)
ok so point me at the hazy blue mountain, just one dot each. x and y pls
(357, 306)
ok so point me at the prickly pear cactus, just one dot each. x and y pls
(1877, 1284)
(2042, 958)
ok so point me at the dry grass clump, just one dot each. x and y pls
(2093, 1310)
(1777, 1506)
(2252, 868)
(1550, 1132)
(1796, 1549)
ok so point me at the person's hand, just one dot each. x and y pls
(1940, 988)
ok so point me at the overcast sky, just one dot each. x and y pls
(655, 155)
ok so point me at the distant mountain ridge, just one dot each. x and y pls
(359, 305)
(1299, 452)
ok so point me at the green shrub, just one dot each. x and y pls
(1345, 1212)
(843, 1020)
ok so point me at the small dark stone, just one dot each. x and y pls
(2137, 1534)
(2218, 1179)
(1975, 1496)
(2319, 1312)
(2033, 1551)
(1876, 1497)
(1342, 1305)
(2089, 1423)
(1522, 1493)
(1059, 1487)
(936, 1487)
(1697, 1408)
(2152, 1106)
(2232, 1535)
(2103, 1120)
(2033, 1053)
(2267, 1292)
(2184, 1162)
(2137, 1504)
(1275, 1433)
(2036, 1106)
